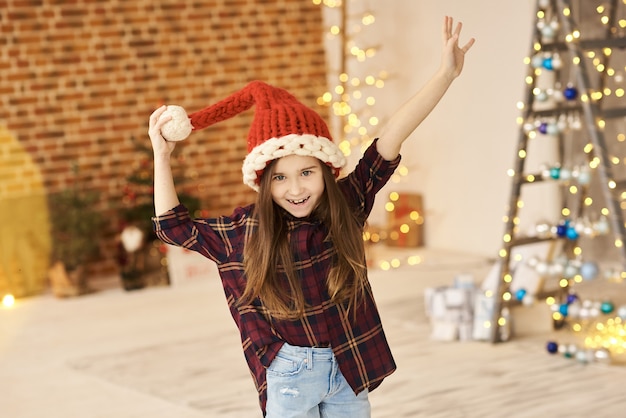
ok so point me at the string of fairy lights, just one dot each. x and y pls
(352, 98)
(599, 65)
(599, 325)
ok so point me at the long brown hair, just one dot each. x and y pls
(267, 252)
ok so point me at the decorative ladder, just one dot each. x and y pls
(591, 105)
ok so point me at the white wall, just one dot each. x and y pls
(459, 156)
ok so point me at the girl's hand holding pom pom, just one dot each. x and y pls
(178, 127)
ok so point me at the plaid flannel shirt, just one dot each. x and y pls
(360, 345)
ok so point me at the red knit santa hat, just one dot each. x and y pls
(281, 126)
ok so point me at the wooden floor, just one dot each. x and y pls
(174, 352)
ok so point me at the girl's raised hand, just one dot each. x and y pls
(453, 55)
(159, 145)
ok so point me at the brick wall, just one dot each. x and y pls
(79, 79)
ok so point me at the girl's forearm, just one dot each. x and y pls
(414, 111)
(411, 114)
(165, 196)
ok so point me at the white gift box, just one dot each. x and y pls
(450, 310)
(466, 329)
(185, 266)
(441, 302)
(483, 316)
(444, 330)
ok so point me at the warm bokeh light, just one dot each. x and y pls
(8, 301)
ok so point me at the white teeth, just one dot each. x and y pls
(297, 202)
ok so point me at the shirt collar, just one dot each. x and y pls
(294, 222)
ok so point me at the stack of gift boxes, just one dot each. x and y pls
(451, 309)
(460, 311)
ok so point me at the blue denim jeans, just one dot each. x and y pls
(305, 382)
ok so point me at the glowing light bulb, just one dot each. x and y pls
(8, 301)
(414, 260)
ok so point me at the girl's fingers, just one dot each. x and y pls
(457, 31)
(163, 120)
(154, 117)
(468, 45)
(446, 29)
(157, 112)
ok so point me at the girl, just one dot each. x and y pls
(292, 264)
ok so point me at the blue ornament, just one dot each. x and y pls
(570, 93)
(547, 63)
(564, 309)
(519, 295)
(555, 172)
(561, 230)
(552, 347)
(589, 270)
(607, 307)
(543, 128)
(571, 298)
(571, 233)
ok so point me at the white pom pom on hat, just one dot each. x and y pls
(177, 128)
(281, 126)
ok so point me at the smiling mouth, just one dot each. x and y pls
(299, 201)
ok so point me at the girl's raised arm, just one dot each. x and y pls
(165, 197)
(404, 121)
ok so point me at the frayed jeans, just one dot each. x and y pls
(305, 382)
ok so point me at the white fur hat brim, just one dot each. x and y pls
(305, 145)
